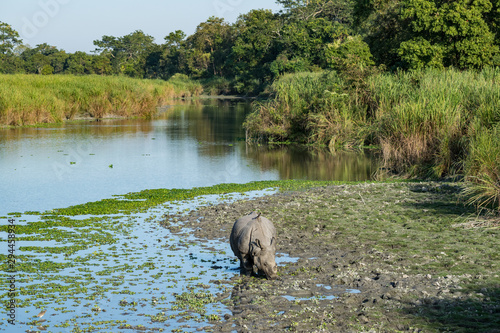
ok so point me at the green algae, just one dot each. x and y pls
(140, 201)
(89, 233)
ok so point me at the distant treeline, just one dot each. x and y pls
(307, 35)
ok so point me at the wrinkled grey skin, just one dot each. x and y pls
(253, 241)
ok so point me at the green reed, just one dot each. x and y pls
(35, 99)
(430, 123)
(307, 107)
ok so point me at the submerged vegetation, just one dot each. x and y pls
(32, 99)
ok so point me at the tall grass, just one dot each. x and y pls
(424, 119)
(428, 123)
(309, 107)
(184, 86)
(483, 167)
(34, 99)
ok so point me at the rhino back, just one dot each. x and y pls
(262, 230)
(240, 234)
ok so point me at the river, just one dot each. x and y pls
(198, 143)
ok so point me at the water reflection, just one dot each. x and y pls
(294, 162)
(193, 143)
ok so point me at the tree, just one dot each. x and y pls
(170, 61)
(348, 51)
(79, 63)
(9, 39)
(256, 47)
(448, 33)
(101, 65)
(380, 24)
(340, 11)
(39, 59)
(128, 53)
(209, 47)
(309, 40)
(57, 61)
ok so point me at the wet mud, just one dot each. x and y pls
(354, 272)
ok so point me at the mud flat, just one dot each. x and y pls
(372, 257)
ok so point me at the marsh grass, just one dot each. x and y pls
(423, 118)
(35, 99)
(307, 107)
(431, 123)
(438, 123)
(483, 168)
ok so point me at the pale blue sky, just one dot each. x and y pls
(73, 25)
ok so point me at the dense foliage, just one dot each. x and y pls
(307, 35)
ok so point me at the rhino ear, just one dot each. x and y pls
(273, 241)
(257, 241)
(255, 248)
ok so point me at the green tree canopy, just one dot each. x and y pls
(333, 10)
(128, 53)
(448, 33)
(209, 47)
(256, 46)
(9, 39)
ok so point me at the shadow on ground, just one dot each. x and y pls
(478, 311)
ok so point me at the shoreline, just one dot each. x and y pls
(110, 116)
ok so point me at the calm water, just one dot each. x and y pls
(192, 145)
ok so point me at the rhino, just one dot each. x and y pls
(253, 241)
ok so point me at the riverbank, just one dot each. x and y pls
(428, 123)
(421, 261)
(37, 99)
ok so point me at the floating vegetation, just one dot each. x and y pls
(85, 264)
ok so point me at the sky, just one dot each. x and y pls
(73, 25)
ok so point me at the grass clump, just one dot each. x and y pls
(34, 99)
(483, 168)
(439, 123)
(308, 107)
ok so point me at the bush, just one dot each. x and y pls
(216, 86)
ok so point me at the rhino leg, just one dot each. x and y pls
(246, 265)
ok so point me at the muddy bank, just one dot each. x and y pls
(377, 257)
